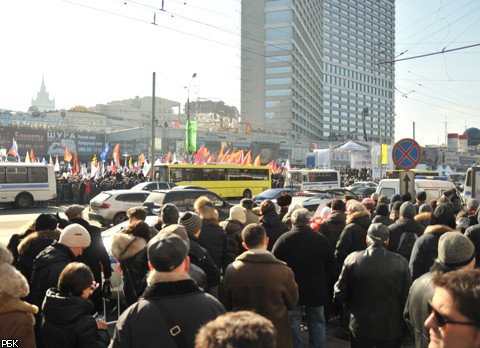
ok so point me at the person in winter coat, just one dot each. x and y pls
(425, 250)
(212, 236)
(287, 218)
(257, 281)
(50, 263)
(318, 219)
(443, 214)
(45, 234)
(168, 215)
(129, 248)
(395, 210)
(382, 215)
(172, 303)
(248, 204)
(310, 256)
(283, 201)
(68, 314)
(198, 254)
(16, 316)
(374, 285)
(233, 227)
(424, 214)
(95, 256)
(17, 238)
(353, 236)
(406, 223)
(335, 222)
(271, 222)
(455, 251)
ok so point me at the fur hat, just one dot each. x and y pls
(46, 222)
(407, 210)
(378, 232)
(284, 199)
(167, 252)
(237, 212)
(75, 236)
(455, 250)
(74, 210)
(382, 209)
(12, 282)
(191, 222)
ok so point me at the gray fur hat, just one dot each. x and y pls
(455, 250)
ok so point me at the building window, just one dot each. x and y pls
(278, 17)
(283, 33)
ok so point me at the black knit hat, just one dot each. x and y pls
(46, 222)
(169, 214)
(191, 222)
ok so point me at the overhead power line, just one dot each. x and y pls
(428, 54)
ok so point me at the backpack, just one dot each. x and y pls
(405, 246)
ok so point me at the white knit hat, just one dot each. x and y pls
(237, 212)
(75, 236)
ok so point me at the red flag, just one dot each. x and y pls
(201, 152)
(210, 158)
(75, 168)
(224, 157)
(257, 161)
(32, 156)
(116, 154)
(67, 156)
(247, 161)
(220, 154)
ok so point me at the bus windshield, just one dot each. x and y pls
(227, 180)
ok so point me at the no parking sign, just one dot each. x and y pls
(406, 154)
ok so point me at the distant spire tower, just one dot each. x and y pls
(43, 102)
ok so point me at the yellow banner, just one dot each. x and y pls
(384, 153)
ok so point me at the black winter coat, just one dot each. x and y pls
(143, 324)
(382, 220)
(68, 322)
(354, 235)
(95, 257)
(46, 270)
(131, 253)
(200, 257)
(425, 250)
(273, 226)
(213, 238)
(310, 256)
(333, 226)
(233, 230)
(398, 227)
(374, 286)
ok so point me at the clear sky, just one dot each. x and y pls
(95, 51)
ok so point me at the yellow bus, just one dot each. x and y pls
(227, 180)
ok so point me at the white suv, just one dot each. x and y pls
(111, 206)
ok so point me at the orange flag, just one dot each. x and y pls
(116, 154)
(167, 160)
(201, 152)
(210, 159)
(141, 160)
(257, 161)
(67, 155)
(75, 168)
(220, 154)
(247, 161)
(32, 156)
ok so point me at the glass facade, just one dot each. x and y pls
(316, 69)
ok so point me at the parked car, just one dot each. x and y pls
(184, 200)
(322, 197)
(153, 185)
(110, 207)
(272, 194)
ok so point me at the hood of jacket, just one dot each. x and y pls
(32, 238)
(125, 246)
(359, 217)
(423, 216)
(12, 282)
(233, 226)
(52, 254)
(270, 218)
(437, 229)
(60, 309)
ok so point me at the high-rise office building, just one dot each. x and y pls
(319, 69)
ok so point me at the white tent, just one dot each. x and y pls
(350, 146)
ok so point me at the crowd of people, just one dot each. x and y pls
(380, 271)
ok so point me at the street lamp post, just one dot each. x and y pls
(187, 140)
(152, 159)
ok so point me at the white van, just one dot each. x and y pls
(433, 188)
